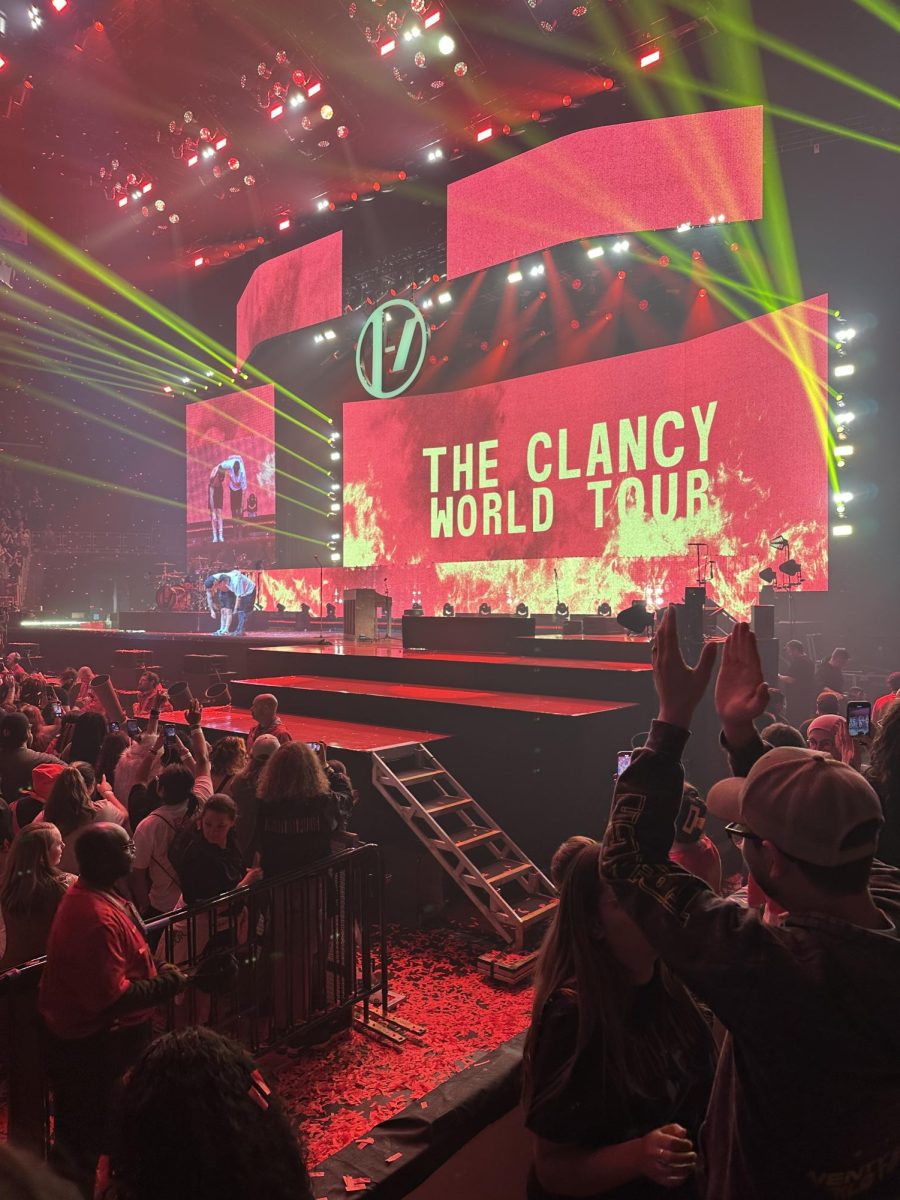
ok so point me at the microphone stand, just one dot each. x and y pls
(321, 640)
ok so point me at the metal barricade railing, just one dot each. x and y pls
(280, 959)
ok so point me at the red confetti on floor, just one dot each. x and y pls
(338, 1092)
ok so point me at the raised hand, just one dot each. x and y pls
(680, 688)
(741, 692)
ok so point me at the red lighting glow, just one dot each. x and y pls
(2, 62)
(644, 305)
(276, 112)
(567, 101)
(651, 57)
(483, 134)
(313, 90)
(376, 186)
(99, 26)
(735, 246)
(221, 143)
(388, 47)
(607, 84)
(702, 293)
(575, 323)
(505, 343)
(696, 255)
(576, 285)
(664, 260)
(432, 19)
(621, 274)
(148, 187)
(199, 261)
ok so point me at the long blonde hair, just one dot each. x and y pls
(292, 773)
(31, 883)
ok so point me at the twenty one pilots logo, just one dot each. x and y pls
(391, 349)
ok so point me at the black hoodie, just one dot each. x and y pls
(806, 1101)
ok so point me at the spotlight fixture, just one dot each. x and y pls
(514, 277)
(562, 609)
(448, 610)
(767, 575)
(649, 59)
(604, 610)
(842, 530)
(521, 610)
(843, 370)
(789, 567)
(484, 610)
(335, 557)
(595, 252)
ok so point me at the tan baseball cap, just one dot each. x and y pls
(809, 805)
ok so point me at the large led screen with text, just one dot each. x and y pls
(231, 480)
(605, 473)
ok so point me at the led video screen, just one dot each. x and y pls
(231, 480)
(605, 472)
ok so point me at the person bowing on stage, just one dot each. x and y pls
(237, 594)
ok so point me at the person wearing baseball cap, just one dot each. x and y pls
(806, 1103)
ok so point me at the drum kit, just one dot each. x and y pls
(177, 592)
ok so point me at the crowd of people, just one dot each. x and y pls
(19, 515)
(730, 1046)
(103, 830)
(712, 1033)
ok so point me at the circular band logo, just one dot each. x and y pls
(391, 349)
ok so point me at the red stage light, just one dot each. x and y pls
(664, 260)
(621, 274)
(392, 292)
(193, 160)
(644, 305)
(651, 57)
(435, 279)
(735, 246)
(702, 293)
(567, 101)
(607, 84)
(607, 316)
(99, 26)
(696, 255)
(354, 196)
(313, 90)
(283, 224)
(576, 285)
(432, 358)
(388, 47)
(299, 78)
(122, 201)
(376, 186)
(148, 187)
(505, 343)
(542, 295)
(483, 134)
(59, 5)
(259, 241)
(536, 114)
(401, 175)
(484, 347)
(3, 62)
(276, 112)
(221, 143)
(575, 323)
(432, 19)
(199, 261)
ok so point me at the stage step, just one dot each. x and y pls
(506, 887)
(451, 709)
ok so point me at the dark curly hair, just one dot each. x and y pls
(196, 1122)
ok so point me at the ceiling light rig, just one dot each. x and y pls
(292, 95)
(561, 16)
(420, 41)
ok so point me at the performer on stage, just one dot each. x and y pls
(216, 503)
(234, 587)
(236, 480)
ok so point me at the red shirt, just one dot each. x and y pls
(158, 698)
(276, 729)
(881, 706)
(702, 859)
(94, 950)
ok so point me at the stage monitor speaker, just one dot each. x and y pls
(762, 620)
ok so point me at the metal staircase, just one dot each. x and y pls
(503, 884)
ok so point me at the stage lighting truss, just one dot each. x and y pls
(420, 41)
(289, 91)
(844, 334)
(562, 16)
